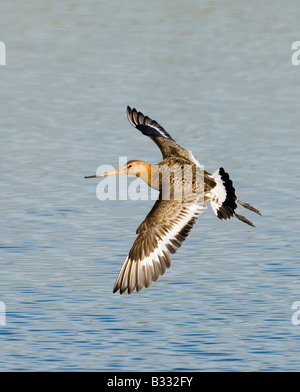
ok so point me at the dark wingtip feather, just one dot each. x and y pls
(146, 125)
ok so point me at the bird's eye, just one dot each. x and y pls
(129, 166)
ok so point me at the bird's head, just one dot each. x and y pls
(136, 168)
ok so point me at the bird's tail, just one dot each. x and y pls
(222, 196)
(223, 199)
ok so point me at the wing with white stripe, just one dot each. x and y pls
(162, 232)
(147, 126)
(159, 135)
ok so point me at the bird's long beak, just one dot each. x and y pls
(119, 171)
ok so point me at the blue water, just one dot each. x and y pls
(219, 78)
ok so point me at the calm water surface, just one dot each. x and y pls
(219, 78)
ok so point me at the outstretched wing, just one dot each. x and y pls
(158, 134)
(162, 232)
(147, 126)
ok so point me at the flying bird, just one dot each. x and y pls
(184, 188)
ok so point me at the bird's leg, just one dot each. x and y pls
(243, 219)
(249, 207)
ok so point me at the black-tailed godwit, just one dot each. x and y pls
(184, 188)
